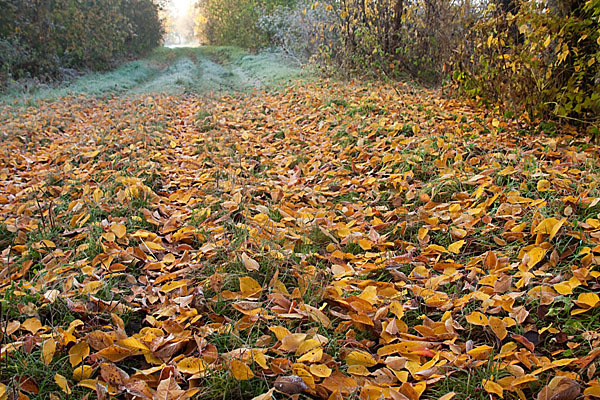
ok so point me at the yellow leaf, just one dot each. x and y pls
(61, 381)
(190, 365)
(397, 309)
(477, 318)
(550, 226)
(119, 230)
(563, 288)
(592, 391)
(114, 353)
(97, 195)
(360, 358)
(92, 287)
(48, 349)
(495, 123)
(364, 244)
(358, 370)
(279, 331)
(320, 370)
(259, 358)
(240, 371)
(498, 327)
(265, 396)
(78, 353)
(2, 391)
(480, 351)
(88, 383)
(436, 248)
(307, 345)
(82, 372)
(535, 256)
(153, 245)
(292, 342)
(134, 345)
(312, 356)
(33, 325)
(587, 300)
(447, 396)
(249, 263)
(169, 287)
(343, 232)
(493, 387)
(543, 185)
(249, 287)
(456, 246)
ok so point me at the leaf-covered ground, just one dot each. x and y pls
(327, 240)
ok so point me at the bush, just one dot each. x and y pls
(302, 30)
(42, 37)
(542, 59)
(236, 22)
(533, 57)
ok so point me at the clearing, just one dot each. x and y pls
(333, 239)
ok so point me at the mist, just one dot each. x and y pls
(180, 24)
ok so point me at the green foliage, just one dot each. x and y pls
(40, 38)
(541, 59)
(236, 22)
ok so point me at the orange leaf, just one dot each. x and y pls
(477, 318)
(493, 387)
(498, 326)
(240, 371)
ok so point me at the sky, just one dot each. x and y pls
(180, 7)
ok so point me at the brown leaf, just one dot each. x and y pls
(291, 384)
(560, 388)
(113, 375)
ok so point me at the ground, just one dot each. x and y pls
(194, 225)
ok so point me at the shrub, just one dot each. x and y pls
(302, 30)
(42, 37)
(236, 22)
(542, 59)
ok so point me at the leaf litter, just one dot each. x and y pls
(323, 240)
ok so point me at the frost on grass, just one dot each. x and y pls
(173, 71)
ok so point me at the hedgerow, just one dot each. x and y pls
(43, 38)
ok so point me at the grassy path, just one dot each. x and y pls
(175, 71)
(320, 239)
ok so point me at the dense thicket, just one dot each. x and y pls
(540, 58)
(236, 22)
(42, 38)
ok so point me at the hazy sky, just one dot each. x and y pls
(180, 7)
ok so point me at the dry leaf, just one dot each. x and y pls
(292, 384)
(249, 263)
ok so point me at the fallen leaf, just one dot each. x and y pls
(249, 263)
(240, 370)
(61, 381)
(290, 385)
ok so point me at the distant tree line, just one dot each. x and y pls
(43, 38)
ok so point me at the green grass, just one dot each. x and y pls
(22, 366)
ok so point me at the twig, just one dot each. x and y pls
(41, 213)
